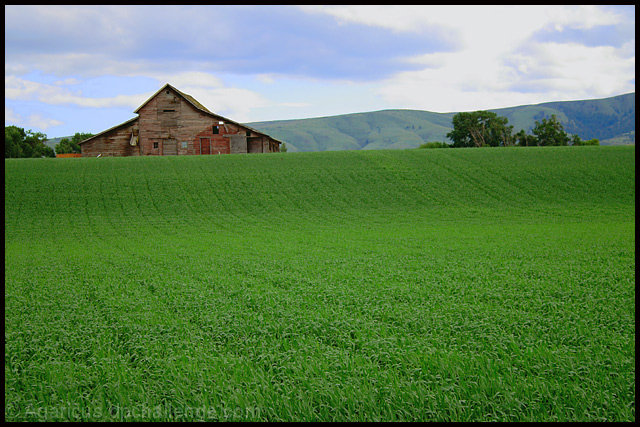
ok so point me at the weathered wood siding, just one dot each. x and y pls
(112, 143)
(169, 116)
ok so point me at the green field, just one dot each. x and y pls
(433, 285)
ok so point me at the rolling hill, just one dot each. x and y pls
(611, 120)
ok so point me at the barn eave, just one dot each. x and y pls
(109, 130)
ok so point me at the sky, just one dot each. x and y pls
(80, 68)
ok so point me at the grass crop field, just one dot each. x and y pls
(432, 285)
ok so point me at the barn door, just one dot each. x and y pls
(169, 147)
(205, 146)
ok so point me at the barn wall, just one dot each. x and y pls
(254, 145)
(168, 117)
(112, 143)
(238, 143)
(262, 144)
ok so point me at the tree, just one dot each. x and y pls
(550, 132)
(523, 139)
(80, 136)
(36, 140)
(64, 147)
(480, 129)
(283, 147)
(19, 143)
(13, 138)
(434, 144)
(576, 140)
(72, 146)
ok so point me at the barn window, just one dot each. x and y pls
(184, 144)
(169, 111)
(248, 133)
(216, 130)
(155, 145)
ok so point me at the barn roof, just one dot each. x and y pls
(193, 101)
(108, 130)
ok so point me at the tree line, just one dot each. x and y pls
(72, 145)
(21, 143)
(472, 129)
(487, 129)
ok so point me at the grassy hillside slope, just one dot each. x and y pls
(603, 119)
(470, 284)
(612, 120)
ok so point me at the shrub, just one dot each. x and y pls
(434, 144)
(576, 140)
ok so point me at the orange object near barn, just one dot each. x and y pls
(68, 155)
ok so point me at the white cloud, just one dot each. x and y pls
(234, 103)
(69, 81)
(10, 117)
(578, 69)
(490, 67)
(551, 72)
(17, 88)
(266, 78)
(582, 17)
(187, 78)
(84, 65)
(294, 104)
(33, 121)
(468, 19)
(39, 122)
(206, 88)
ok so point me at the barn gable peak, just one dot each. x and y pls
(191, 100)
(167, 86)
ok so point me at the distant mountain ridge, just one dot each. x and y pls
(611, 120)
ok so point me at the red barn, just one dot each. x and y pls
(174, 123)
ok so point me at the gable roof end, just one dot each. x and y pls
(191, 100)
